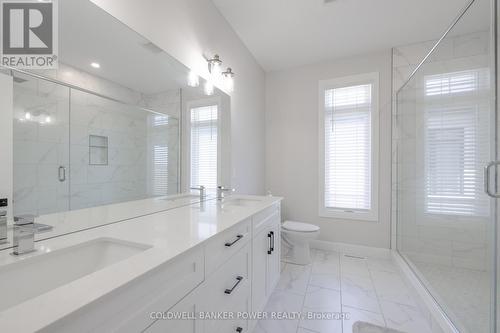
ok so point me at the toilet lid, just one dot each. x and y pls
(300, 227)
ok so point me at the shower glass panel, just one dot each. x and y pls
(120, 152)
(75, 150)
(445, 135)
(41, 146)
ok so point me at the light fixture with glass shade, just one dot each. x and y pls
(209, 88)
(229, 79)
(193, 79)
(214, 66)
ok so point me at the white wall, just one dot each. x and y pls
(292, 145)
(188, 29)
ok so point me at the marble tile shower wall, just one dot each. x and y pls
(124, 176)
(446, 241)
(42, 148)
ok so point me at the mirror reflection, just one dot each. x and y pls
(120, 121)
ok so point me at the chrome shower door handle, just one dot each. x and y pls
(62, 174)
(487, 174)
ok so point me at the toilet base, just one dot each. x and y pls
(298, 236)
(300, 254)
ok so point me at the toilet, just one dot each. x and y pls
(297, 236)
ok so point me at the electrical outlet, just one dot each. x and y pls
(4, 202)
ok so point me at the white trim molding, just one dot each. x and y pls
(364, 215)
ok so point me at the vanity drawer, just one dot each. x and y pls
(224, 291)
(265, 218)
(186, 311)
(128, 308)
(222, 247)
(239, 323)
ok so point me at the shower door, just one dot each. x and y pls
(445, 136)
(41, 146)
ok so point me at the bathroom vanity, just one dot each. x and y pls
(212, 258)
(105, 157)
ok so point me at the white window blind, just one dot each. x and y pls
(348, 153)
(456, 142)
(204, 145)
(160, 170)
(158, 143)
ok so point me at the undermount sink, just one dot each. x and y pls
(37, 275)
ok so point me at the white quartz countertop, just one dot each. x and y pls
(169, 233)
(87, 218)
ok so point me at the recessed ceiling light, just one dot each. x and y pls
(95, 65)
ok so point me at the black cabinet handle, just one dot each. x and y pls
(270, 244)
(239, 329)
(229, 291)
(238, 237)
(272, 241)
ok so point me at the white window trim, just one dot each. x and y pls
(371, 215)
(186, 146)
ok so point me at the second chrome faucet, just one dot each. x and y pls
(24, 234)
(221, 192)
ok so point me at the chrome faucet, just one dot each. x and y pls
(3, 226)
(221, 190)
(203, 192)
(24, 234)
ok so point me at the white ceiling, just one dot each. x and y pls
(288, 33)
(89, 34)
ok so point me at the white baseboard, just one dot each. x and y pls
(440, 323)
(351, 249)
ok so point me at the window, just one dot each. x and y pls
(349, 147)
(158, 135)
(204, 145)
(160, 170)
(456, 143)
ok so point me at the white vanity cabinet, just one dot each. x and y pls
(266, 245)
(186, 324)
(234, 272)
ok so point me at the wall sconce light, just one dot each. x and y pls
(215, 70)
(214, 65)
(193, 80)
(229, 79)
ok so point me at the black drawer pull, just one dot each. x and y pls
(239, 329)
(229, 291)
(238, 237)
(270, 244)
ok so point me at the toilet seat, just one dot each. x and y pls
(299, 227)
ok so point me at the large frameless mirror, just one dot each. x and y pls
(115, 132)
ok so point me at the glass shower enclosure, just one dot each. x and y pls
(445, 141)
(74, 149)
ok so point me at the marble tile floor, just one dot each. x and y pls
(370, 290)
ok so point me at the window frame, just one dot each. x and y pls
(186, 146)
(371, 215)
